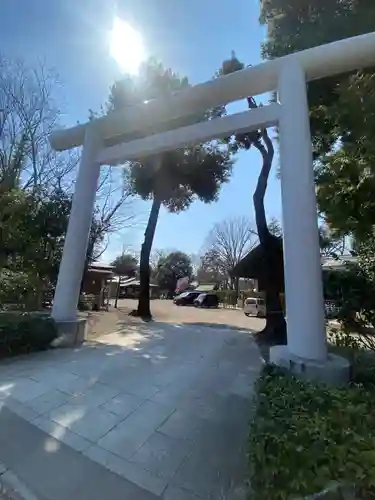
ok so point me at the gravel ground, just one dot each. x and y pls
(103, 322)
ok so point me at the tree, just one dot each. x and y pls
(32, 228)
(27, 116)
(113, 212)
(157, 254)
(36, 184)
(345, 181)
(275, 330)
(125, 265)
(228, 242)
(171, 268)
(195, 263)
(173, 178)
(28, 113)
(330, 244)
(275, 228)
(341, 107)
(210, 269)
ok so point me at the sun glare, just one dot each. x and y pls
(126, 46)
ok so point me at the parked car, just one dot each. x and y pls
(186, 298)
(207, 300)
(255, 306)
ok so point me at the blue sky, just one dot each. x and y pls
(192, 37)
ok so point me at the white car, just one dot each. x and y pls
(255, 306)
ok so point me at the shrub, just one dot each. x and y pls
(16, 288)
(304, 436)
(354, 293)
(359, 349)
(227, 297)
(23, 332)
(86, 302)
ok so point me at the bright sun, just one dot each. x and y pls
(126, 46)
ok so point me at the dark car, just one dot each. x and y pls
(207, 300)
(186, 298)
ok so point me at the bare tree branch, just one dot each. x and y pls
(227, 243)
(27, 116)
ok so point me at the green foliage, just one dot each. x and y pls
(330, 243)
(12, 165)
(343, 340)
(341, 108)
(176, 177)
(15, 207)
(22, 333)
(366, 257)
(227, 297)
(86, 302)
(32, 231)
(17, 289)
(359, 349)
(345, 180)
(295, 26)
(321, 23)
(304, 436)
(241, 140)
(353, 290)
(125, 265)
(35, 188)
(354, 293)
(171, 268)
(274, 227)
(211, 267)
(33, 227)
(152, 82)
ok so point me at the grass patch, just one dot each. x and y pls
(304, 436)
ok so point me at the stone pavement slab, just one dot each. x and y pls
(48, 401)
(123, 404)
(85, 422)
(54, 471)
(164, 406)
(162, 455)
(128, 470)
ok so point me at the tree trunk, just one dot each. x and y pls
(275, 330)
(117, 291)
(89, 254)
(144, 263)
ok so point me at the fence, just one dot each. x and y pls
(230, 298)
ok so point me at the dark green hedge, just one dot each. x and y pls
(304, 436)
(86, 302)
(227, 297)
(25, 332)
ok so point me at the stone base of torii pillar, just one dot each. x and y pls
(334, 370)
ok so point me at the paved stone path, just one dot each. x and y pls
(163, 407)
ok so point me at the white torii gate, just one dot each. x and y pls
(302, 265)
